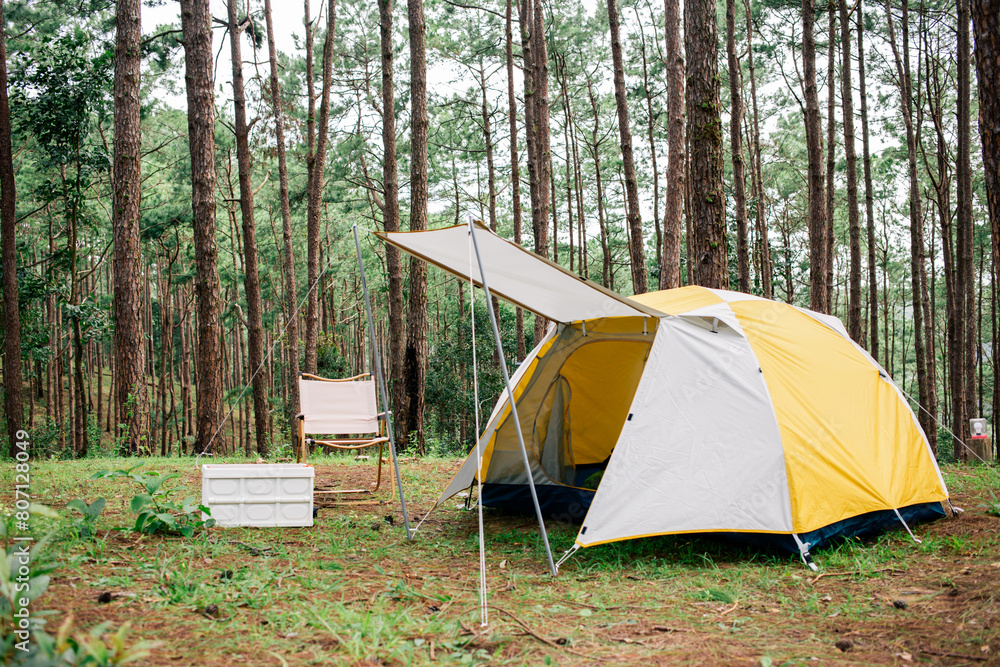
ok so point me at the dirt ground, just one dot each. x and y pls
(352, 591)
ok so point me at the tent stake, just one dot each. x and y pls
(381, 383)
(513, 404)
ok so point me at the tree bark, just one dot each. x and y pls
(709, 244)
(12, 373)
(291, 297)
(831, 142)
(251, 275)
(390, 215)
(986, 28)
(964, 230)
(818, 292)
(636, 245)
(853, 214)
(196, 22)
(673, 205)
(416, 325)
(873, 303)
(316, 178)
(925, 377)
(515, 168)
(736, 146)
(764, 246)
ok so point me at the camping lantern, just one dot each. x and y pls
(979, 441)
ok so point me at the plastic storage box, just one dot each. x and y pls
(270, 494)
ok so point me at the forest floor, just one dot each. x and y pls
(352, 591)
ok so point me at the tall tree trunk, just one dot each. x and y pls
(764, 250)
(650, 132)
(965, 277)
(390, 215)
(251, 276)
(873, 303)
(416, 325)
(515, 168)
(818, 292)
(986, 27)
(925, 378)
(673, 206)
(736, 145)
(607, 271)
(316, 178)
(536, 61)
(636, 245)
(853, 214)
(12, 375)
(196, 21)
(288, 267)
(831, 142)
(708, 205)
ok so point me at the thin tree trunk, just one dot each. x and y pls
(316, 178)
(818, 288)
(607, 273)
(515, 169)
(736, 146)
(926, 385)
(251, 275)
(965, 277)
(195, 19)
(764, 249)
(291, 297)
(636, 246)
(831, 142)
(673, 205)
(873, 302)
(853, 214)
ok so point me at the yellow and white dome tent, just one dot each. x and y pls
(690, 410)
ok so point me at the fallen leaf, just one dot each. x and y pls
(503, 564)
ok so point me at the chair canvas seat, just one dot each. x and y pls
(338, 407)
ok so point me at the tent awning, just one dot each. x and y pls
(517, 275)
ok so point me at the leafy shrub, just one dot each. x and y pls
(157, 511)
(84, 525)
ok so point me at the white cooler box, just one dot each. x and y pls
(270, 494)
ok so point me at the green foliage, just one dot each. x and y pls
(84, 525)
(156, 511)
(89, 649)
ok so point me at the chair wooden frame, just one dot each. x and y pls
(378, 437)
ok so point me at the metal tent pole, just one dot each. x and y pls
(381, 383)
(513, 404)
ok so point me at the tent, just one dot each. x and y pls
(690, 410)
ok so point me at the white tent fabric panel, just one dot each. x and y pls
(518, 275)
(701, 450)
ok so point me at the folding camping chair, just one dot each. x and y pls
(341, 407)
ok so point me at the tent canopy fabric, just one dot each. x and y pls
(517, 275)
(727, 413)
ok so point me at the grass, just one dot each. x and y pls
(352, 591)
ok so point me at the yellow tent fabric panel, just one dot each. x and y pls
(844, 429)
(677, 301)
(602, 378)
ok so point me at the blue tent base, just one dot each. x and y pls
(564, 503)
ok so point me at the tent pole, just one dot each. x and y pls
(513, 404)
(381, 383)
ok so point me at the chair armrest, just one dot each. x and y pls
(384, 415)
